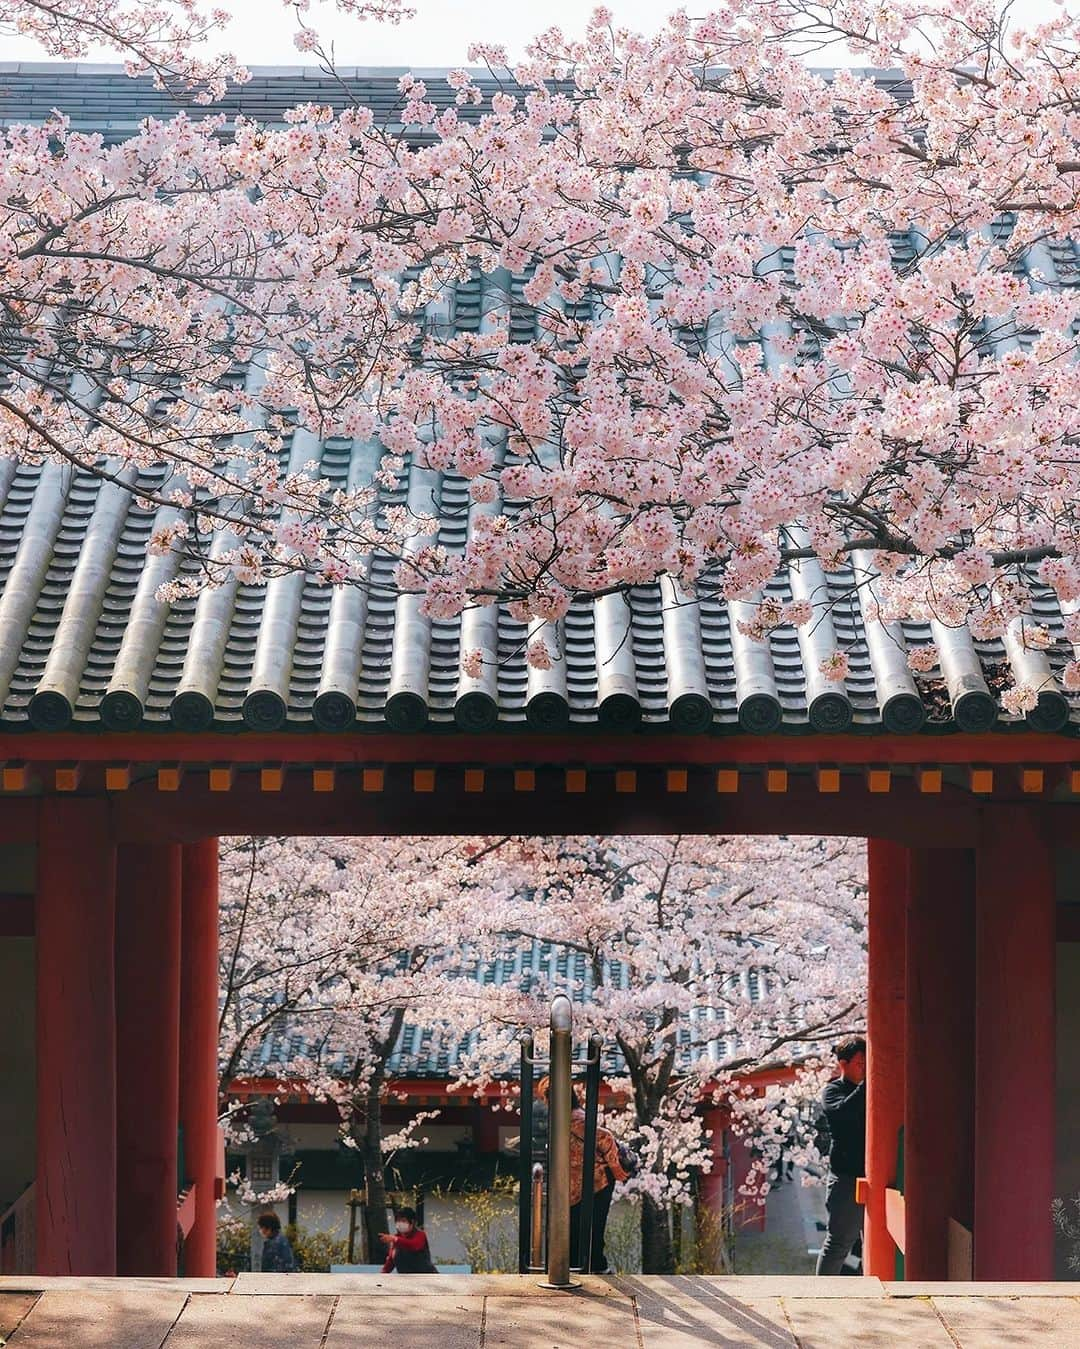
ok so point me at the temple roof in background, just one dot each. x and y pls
(85, 644)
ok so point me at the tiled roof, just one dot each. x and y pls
(101, 98)
(426, 1051)
(85, 643)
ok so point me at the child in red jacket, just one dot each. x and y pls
(408, 1252)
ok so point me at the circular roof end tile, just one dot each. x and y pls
(760, 714)
(975, 712)
(1050, 714)
(191, 711)
(333, 711)
(548, 712)
(264, 710)
(406, 712)
(904, 714)
(120, 711)
(691, 714)
(476, 712)
(619, 712)
(831, 713)
(50, 711)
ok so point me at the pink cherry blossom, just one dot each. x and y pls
(847, 318)
(835, 666)
(922, 659)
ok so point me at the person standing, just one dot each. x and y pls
(277, 1254)
(843, 1104)
(607, 1170)
(409, 1252)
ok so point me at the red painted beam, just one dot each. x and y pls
(887, 923)
(1014, 1048)
(531, 747)
(296, 809)
(198, 1047)
(939, 1103)
(75, 1194)
(148, 1050)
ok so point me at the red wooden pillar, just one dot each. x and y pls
(148, 1051)
(1014, 1047)
(198, 1049)
(75, 1194)
(485, 1127)
(939, 1097)
(711, 1194)
(888, 866)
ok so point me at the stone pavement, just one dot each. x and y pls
(325, 1311)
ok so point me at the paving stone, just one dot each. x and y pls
(117, 1319)
(996, 1322)
(13, 1307)
(439, 1322)
(671, 1317)
(212, 1322)
(425, 1285)
(559, 1321)
(754, 1287)
(44, 1283)
(883, 1323)
(960, 1288)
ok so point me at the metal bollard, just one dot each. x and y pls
(559, 1106)
(536, 1249)
(588, 1163)
(527, 1212)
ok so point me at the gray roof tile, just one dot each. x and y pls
(83, 643)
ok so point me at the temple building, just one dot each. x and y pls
(133, 734)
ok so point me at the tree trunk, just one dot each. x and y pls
(369, 1145)
(657, 1251)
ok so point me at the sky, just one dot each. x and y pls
(440, 34)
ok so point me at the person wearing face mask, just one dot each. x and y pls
(408, 1250)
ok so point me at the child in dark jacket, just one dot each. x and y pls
(408, 1251)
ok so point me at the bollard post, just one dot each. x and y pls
(526, 1190)
(559, 1106)
(536, 1251)
(588, 1163)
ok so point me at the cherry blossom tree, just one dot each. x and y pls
(328, 945)
(703, 959)
(759, 315)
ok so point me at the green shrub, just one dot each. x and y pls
(316, 1251)
(233, 1244)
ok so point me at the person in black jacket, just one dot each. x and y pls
(844, 1105)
